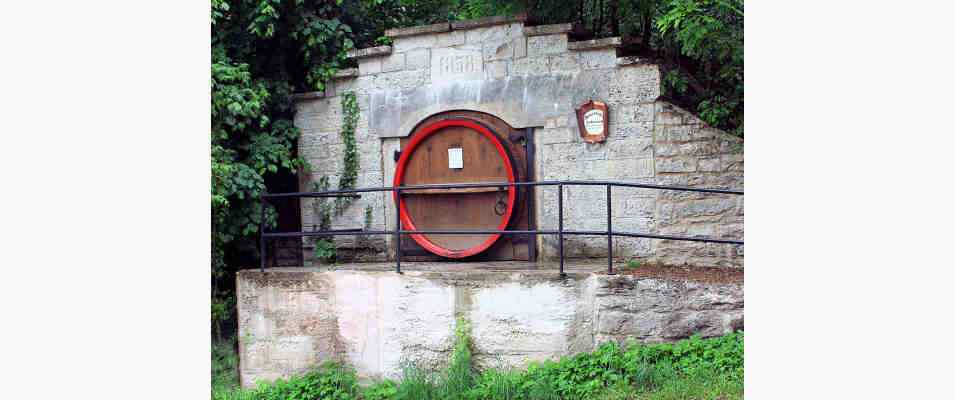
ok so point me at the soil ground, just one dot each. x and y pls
(699, 274)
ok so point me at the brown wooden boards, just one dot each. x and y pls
(464, 147)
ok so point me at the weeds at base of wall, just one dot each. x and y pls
(693, 368)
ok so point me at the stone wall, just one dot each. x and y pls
(535, 77)
(291, 319)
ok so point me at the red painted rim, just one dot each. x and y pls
(399, 178)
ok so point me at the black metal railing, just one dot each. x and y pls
(560, 232)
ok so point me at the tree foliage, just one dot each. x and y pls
(262, 52)
(710, 33)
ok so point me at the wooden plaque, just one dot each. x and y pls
(593, 119)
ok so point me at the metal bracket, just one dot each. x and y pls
(397, 155)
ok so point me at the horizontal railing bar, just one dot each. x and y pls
(684, 238)
(326, 233)
(334, 231)
(328, 193)
(490, 231)
(313, 194)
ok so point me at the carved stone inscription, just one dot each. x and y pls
(450, 64)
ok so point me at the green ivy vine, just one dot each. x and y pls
(324, 249)
(350, 174)
(324, 246)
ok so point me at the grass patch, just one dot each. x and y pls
(694, 368)
(631, 265)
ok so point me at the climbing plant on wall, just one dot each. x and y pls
(324, 246)
(349, 176)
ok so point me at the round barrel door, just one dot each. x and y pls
(455, 150)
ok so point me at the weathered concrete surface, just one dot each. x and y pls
(374, 319)
(534, 77)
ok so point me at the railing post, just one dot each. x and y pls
(398, 230)
(560, 227)
(262, 232)
(609, 232)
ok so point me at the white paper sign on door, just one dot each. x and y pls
(455, 158)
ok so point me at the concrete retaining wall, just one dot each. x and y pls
(291, 319)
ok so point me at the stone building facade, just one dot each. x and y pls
(533, 77)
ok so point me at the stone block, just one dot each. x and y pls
(545, 45)
(497, 69)
(676, 133)
(520, 47)
(418, 30)
(568, 153)
(395, 62)
(454, 38)
(630, 168)
(676, 164)
(498, 51)
(709, 165)
(685, 324)
(346, 73)
(369, 52)
(732, 162)
(639, 130)
(456, 64)
(492, 35)
(402, 80)
(556, 135)
(541, 30)
(611, 42)
(591, 84)
(489, 21)
(530, 66)
(418, 59)
(597, 59)
(666, 149)
(406, 44)
(627, 114)
(630, 148)
(706, 207)
(369, 66)
(563, 63)
(635, 84)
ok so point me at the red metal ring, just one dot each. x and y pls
(399, 177)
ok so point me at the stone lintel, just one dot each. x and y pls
(418, 30)
(308, 96)
(541, 30)
(594, 44)
(369, 52)
(346, 73)
(487, 21)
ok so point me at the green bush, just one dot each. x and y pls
(691, 368)
(331, 381)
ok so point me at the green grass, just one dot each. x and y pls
(632, 264)
(694, 368)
